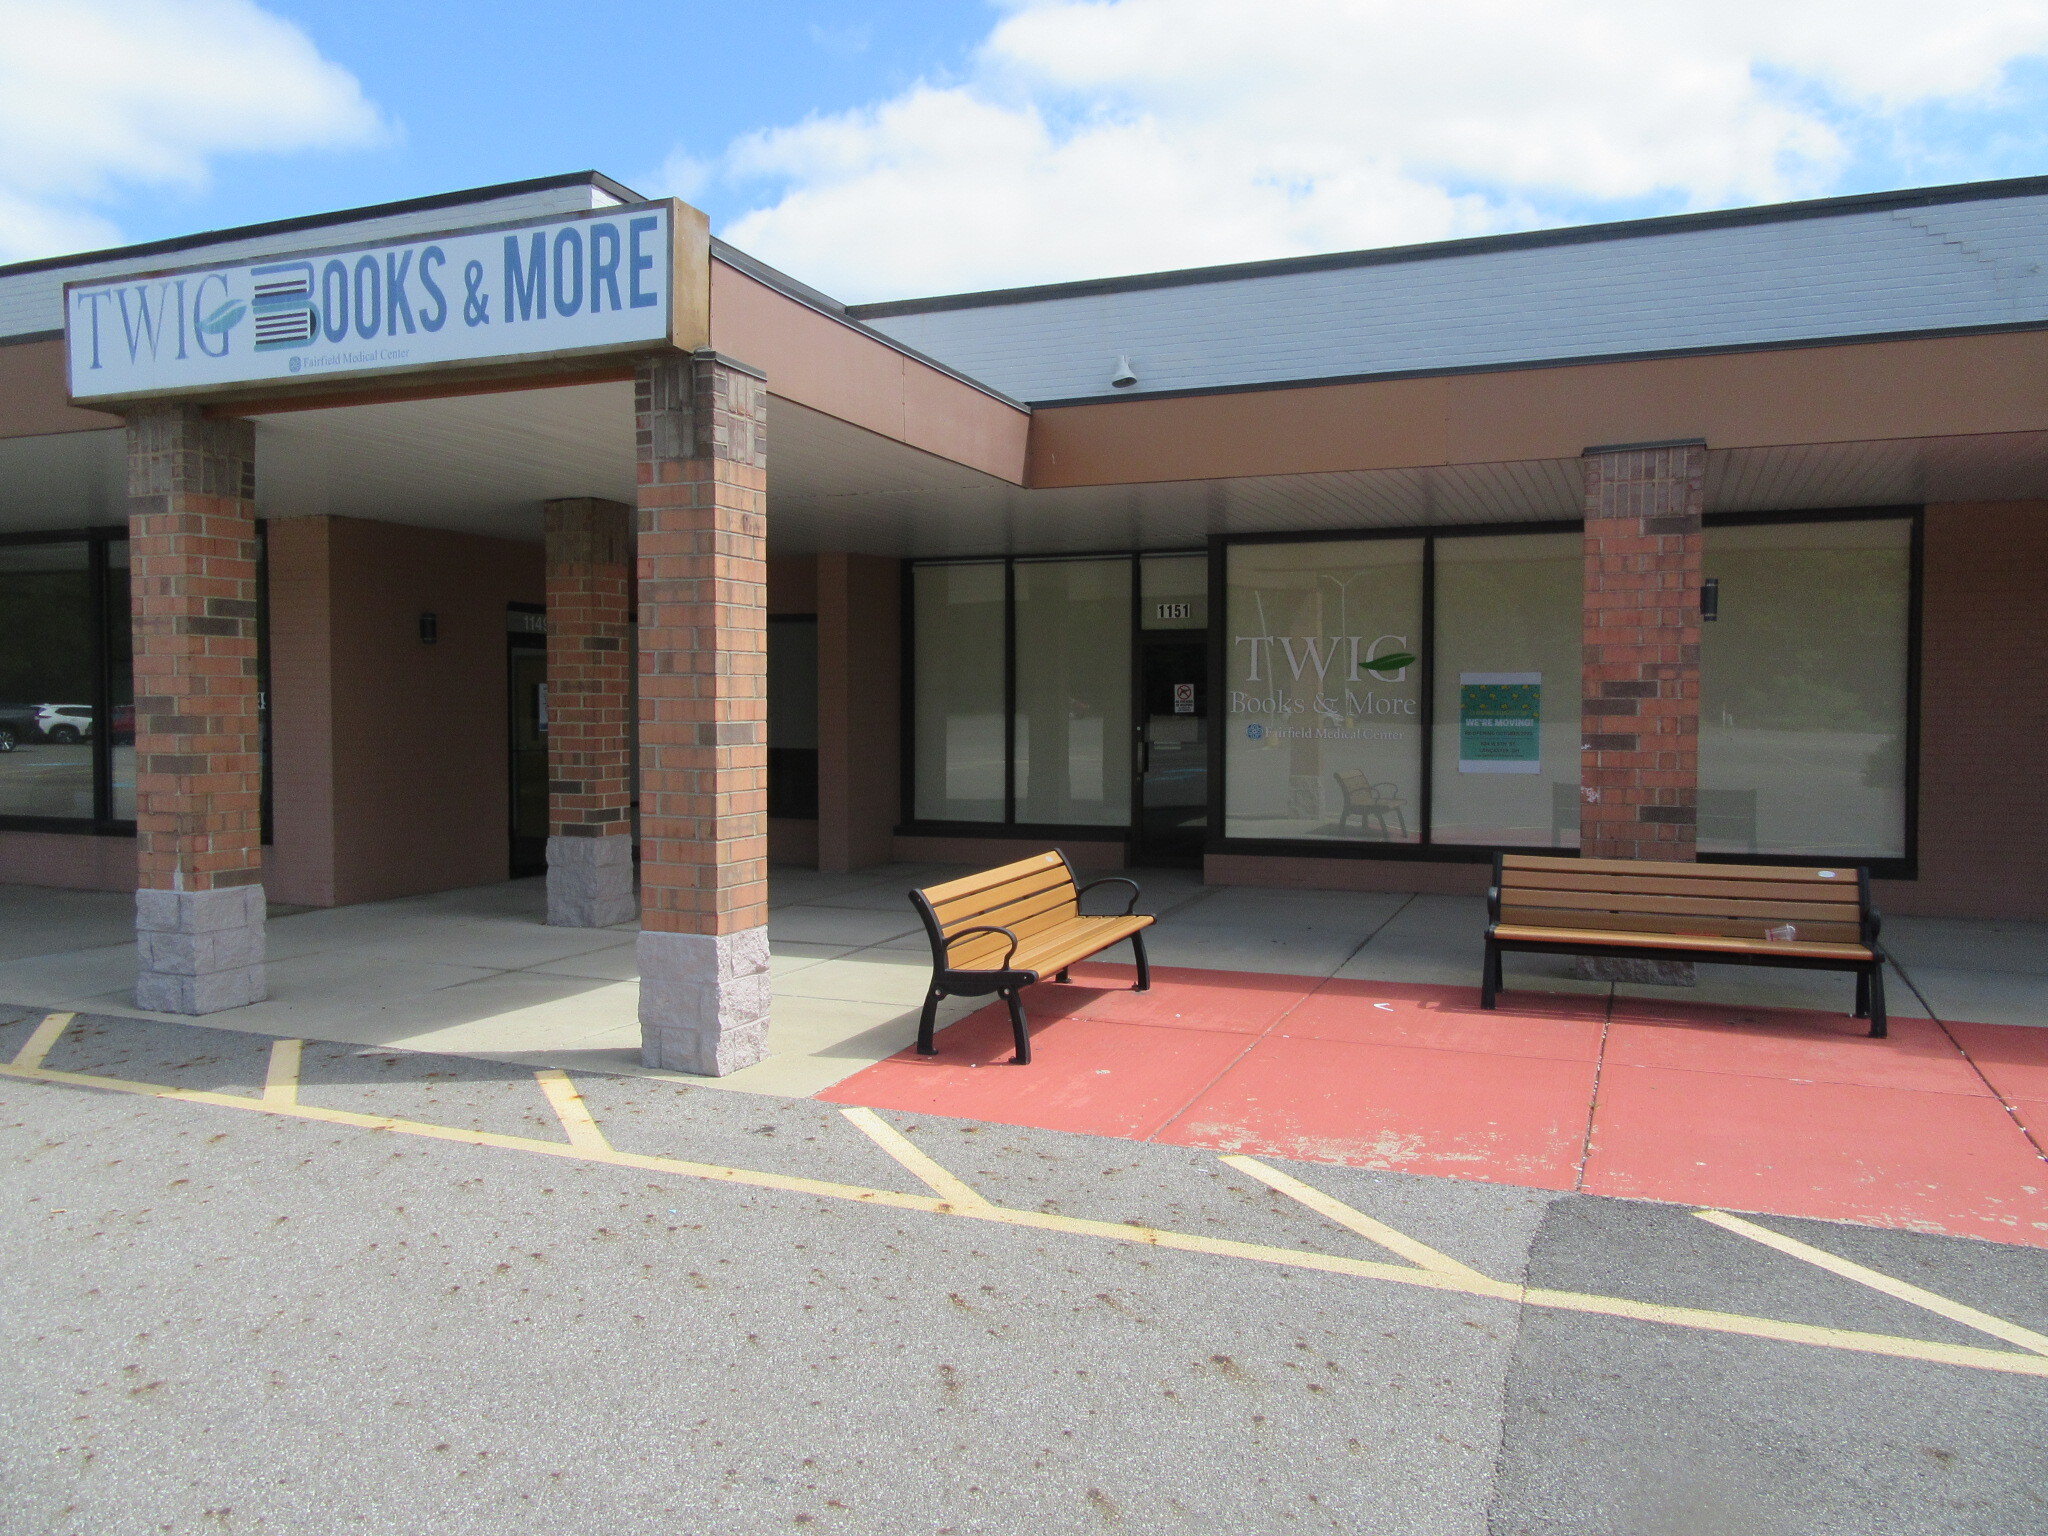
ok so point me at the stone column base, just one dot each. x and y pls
(1652, 973)
(199, 951)
(704, 1001)
(590, 882)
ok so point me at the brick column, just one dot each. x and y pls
(198, 765)
(703, 569)
(1639, 763)
(589, 715)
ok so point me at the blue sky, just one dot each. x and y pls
(519, 88)
(888, 149)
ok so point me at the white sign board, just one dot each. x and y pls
(580, 283)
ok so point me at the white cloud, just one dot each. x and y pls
(100, 94)
(1126, 135)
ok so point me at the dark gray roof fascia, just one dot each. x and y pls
(596, 179)
(1581, 234)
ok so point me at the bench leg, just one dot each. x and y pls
(1862, 995)
(1489, 976)
(1063, 976)
(1018, 1029)
(1879, 1026)
(1144, 965)
(927, 1024)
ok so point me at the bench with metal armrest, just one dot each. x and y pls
(1726, 914)
(998, 931)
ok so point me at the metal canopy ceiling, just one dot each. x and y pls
(485, 463)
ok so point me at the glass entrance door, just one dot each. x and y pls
(1173, 748)
(526, 668)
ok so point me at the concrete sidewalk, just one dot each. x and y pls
(476, 972)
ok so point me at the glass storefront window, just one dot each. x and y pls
(958, 611)
(120, 652)
(1322, 706)
(48, 681)
(1327, 727)
(1073, 721)
(1505, 742)
(1803, 723)
(793, 717)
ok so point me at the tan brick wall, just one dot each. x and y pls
(860, 693)
(590, 659)
(701, 425)
(192, 554)
(389, 757)
(1639, 770)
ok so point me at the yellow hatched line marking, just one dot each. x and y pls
(281, 1078)
(30, 1057)
(1357, 1221)
(1941, 1306)
(948, 1186)
(570, 1109)
(1466, 1282)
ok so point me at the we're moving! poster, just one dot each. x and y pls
(1500, 722)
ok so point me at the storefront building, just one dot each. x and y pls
(531, 530)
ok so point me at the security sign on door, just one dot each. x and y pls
(1183, 698)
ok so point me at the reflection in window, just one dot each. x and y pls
(1506, 737)
(1803, 690)
(1073, 747)
(1322, 713)
(48, 685)
(958, 661)
(120, 652)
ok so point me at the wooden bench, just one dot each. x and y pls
(1002, 929)
(1649, 910)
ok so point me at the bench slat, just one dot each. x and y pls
(968, 884)
(1057, 950)
(1053, 908)
(1655, 922)
(1705, 943)
(1686, 906)
(1785, 872)
(964, 911)
(1748, 890)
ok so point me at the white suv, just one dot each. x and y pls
(65, 723)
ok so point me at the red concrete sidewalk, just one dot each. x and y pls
(1758, 1109)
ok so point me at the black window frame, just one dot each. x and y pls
(1904, 867)
(102, 823)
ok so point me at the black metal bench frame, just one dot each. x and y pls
(1003, 981)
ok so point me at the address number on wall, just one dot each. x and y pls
(1170, 610)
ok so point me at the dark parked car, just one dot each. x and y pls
(17, 724)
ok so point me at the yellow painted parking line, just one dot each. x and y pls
(1791, 1333)
(570, 1109)
(948, 1186)
(1364, 1225)
(30, 1057)
(963, 1202)
(281, 1077)
(1940, 1305)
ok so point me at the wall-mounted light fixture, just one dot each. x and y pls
(1710, 599)
(1125, 375)
(430, 628)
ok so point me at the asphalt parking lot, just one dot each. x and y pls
(264, 1287)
